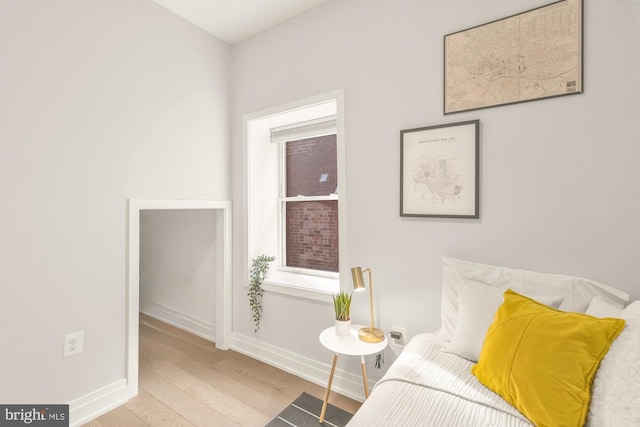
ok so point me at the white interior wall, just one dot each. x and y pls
(178, 268)
(106, 100)
(101, 101)
(559, 183)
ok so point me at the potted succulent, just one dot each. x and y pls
(342, 307)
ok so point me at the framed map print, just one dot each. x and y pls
(439, 171)
(532, 55)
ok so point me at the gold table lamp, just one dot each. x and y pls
(369, 334)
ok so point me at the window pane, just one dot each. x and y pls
(312, 166)
(312, 235)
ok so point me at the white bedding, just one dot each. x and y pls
(429, 386)
(437, 390)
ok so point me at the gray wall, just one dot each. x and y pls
(100, 101)
(178, 268)
(560, 184)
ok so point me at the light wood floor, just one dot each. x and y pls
(185, 381)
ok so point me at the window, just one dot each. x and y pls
(309, 204)
(295, 166)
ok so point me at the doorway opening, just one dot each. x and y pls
(222, 285)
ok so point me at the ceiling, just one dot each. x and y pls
(235, 20)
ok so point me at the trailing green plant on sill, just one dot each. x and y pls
(342, 305)
(259, 268)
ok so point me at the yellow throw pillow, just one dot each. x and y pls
(542, 360)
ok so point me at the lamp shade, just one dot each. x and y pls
(358, 280)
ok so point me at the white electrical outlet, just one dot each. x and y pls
(73, 344)
(398, 342)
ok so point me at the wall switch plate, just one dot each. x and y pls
(73, 344)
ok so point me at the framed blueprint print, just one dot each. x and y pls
(439, 171)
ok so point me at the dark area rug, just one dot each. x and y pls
(305, 411)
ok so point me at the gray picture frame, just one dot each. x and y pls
(440, 171)
(499, 63)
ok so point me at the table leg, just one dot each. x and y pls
(326, 393)
(364, 377)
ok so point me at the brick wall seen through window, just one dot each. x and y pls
(312, 226)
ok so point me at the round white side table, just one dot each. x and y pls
(350, 345)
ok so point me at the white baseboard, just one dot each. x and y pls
(201, 328)
(344, 382)
(96, 403)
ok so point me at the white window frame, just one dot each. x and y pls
(327, 129)
(263, 222)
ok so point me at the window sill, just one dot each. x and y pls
(302, 285)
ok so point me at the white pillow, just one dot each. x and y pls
(600, 308)
(615, 393)
(577, 292)
(477, 305)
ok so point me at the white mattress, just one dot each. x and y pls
(429, 387)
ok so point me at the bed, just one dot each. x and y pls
(436, 380)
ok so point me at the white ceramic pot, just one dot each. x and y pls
(343, 327)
